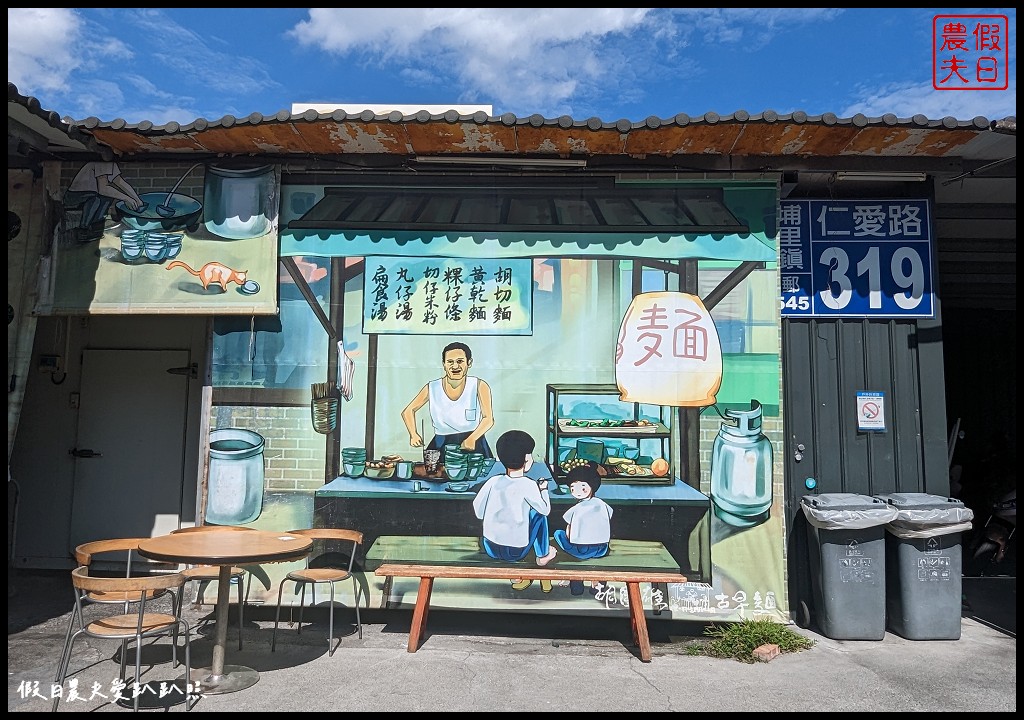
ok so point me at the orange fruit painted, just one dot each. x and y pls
(660, 467)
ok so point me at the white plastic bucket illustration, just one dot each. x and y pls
(235, 489)
(237, 202)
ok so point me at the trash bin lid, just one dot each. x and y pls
(842, 501)
(924, 515)
(920, 501)
(846, 511)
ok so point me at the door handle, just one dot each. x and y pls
(191, 371)
(84, 453)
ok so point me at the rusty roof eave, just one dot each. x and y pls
(331, 138)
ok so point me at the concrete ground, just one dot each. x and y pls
(516, 662)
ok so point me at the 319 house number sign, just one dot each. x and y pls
(856, 258)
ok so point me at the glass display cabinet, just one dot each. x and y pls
(629, 441)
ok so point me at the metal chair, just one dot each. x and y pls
(134, 624)
(319, 575)
(117, 550)
(205, 574)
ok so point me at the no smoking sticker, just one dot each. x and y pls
(871, 411)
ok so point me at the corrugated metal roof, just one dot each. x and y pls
(710, 142)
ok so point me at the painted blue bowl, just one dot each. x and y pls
(162, 213)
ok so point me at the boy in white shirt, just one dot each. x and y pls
(514, 508)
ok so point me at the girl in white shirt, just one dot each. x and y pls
(588, 523)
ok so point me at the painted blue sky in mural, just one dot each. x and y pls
(180, 64)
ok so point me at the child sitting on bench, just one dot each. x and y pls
(514, 508)
(588, 522)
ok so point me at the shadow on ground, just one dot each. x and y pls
(991, 601)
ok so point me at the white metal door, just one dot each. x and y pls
(129, 467)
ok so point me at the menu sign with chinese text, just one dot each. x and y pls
(448, 296)
(856, 258)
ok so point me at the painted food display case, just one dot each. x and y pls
(629, 441)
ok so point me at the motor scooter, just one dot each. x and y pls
(993, 548)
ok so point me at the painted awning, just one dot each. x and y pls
(454, 218)
(501, 244)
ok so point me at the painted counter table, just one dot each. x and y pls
(676, 515)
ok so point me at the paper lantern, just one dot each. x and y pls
(668, 351)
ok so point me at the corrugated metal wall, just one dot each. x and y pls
(977, 255)
(825, 364)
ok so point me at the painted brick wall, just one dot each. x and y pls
(149, 177)
(294, 456)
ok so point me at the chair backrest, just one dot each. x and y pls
(84, 553)
(83, 581)
(329, 534)
(353, 536)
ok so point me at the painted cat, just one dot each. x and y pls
(213, 273)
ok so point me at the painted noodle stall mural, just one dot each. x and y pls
(529, 370)
(520, 370)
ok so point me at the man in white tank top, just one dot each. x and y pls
(460, 405)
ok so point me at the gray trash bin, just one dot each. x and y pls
(924, 565)
(846, 539)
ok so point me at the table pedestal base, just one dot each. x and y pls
(234, 678)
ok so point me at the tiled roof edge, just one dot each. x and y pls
(69, 128)
(536, 120)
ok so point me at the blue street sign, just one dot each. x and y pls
(856, 258)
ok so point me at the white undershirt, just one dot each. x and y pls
(454, 416)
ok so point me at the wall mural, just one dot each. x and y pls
(193, 243)
(561, 443)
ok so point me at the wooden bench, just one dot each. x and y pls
(427, 574)
(428, 557)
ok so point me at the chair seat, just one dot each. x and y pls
(120, 624)
(318, 575)
(208, 572)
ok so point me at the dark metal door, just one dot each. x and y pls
(825, 363)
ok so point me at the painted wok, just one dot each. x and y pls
(185, 216)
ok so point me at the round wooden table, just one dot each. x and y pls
(225, 549)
